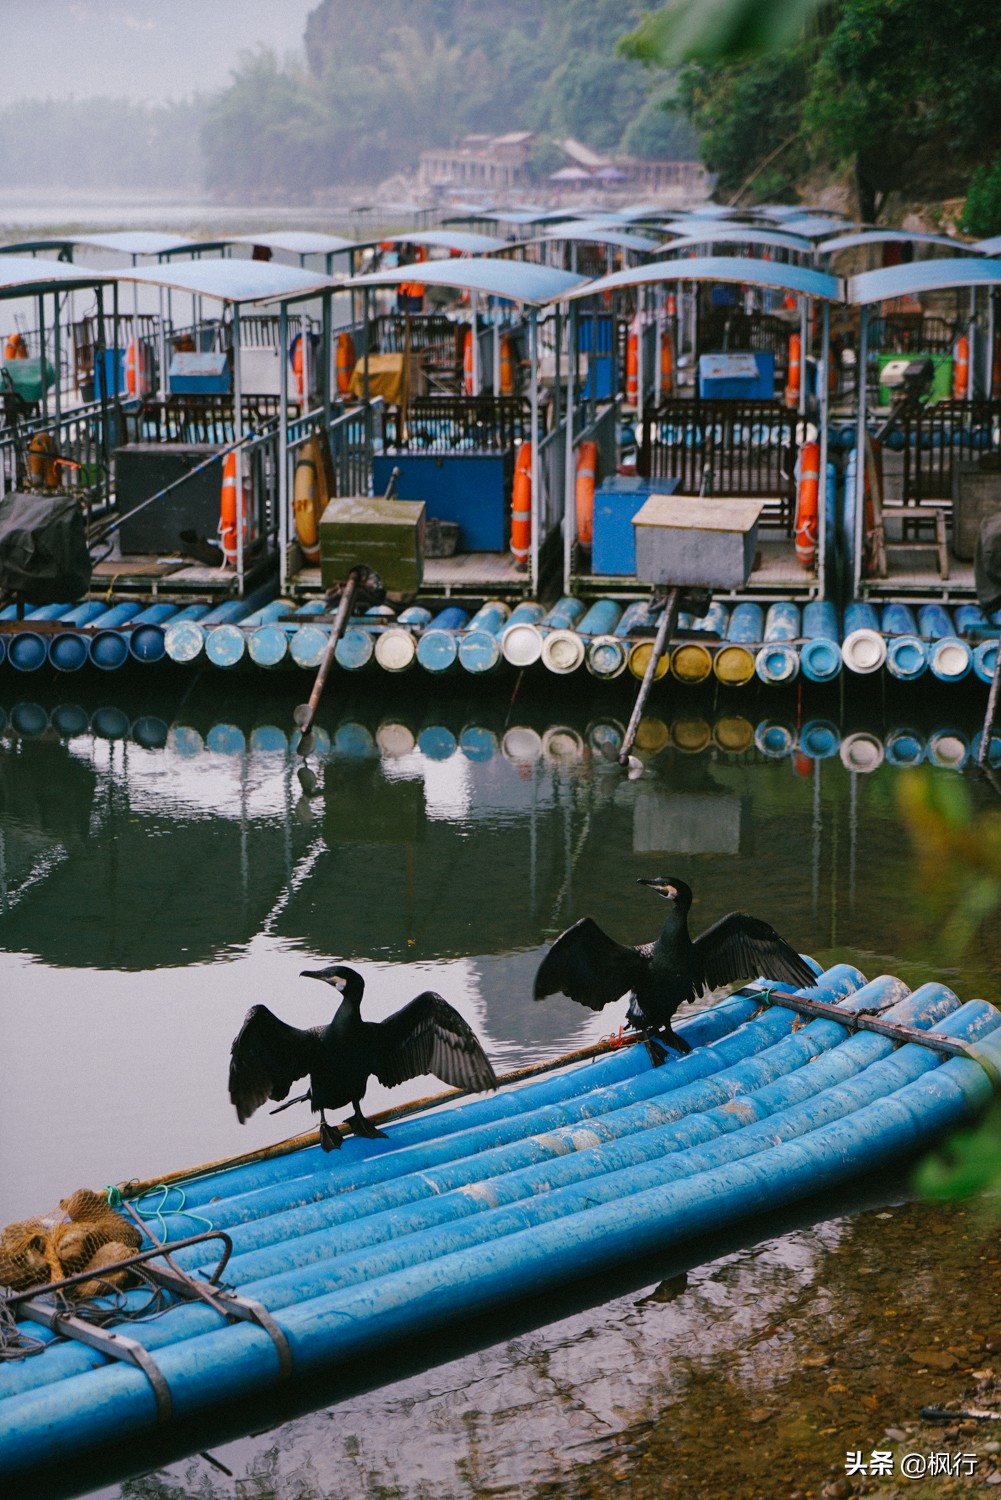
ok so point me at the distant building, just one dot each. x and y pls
(498, 162)
(480, 161)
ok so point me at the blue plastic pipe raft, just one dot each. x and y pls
(396, 646)
(521, 643)
(146, 642)
(511, 1194)
(68, 650)
(184, 639)
(820, 739)
(565, 649)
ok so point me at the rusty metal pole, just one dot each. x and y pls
(303, 715)
(991, 714)
(665, 630)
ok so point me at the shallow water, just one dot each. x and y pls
(160, 871)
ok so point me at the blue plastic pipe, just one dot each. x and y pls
(906, 652)
(820, 654)
(479, 643)
(949, 657)
(146, 642)
(863, 649)
(777, 660)
(438, 647)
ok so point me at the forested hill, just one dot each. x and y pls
(386, 79)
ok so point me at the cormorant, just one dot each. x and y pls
(426, 1036)
(592, 968)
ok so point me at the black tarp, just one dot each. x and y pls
(987, 564)
(43, 548)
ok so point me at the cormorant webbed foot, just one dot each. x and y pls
(330, 1139)
(364, 1127)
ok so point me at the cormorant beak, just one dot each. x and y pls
(335, 979)
(669, 892)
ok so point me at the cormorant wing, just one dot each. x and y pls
(267, 1057)
(742, 947)
(589, 966)
(428, 1036)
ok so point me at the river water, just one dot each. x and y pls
(160, 871)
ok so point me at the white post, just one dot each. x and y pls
(283, 517)
(860, 437)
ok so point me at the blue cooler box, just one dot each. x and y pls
(732, 377)
(616, 501)
(199, 374)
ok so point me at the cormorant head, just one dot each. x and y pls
(670, 888)
(348, 981)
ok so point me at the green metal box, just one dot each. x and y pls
(387, 535)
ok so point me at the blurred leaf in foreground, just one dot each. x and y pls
(716, 31)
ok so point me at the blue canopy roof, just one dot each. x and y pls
(297, 241)
(922, 276)
(888, 236)
(233, 280)
(465, 241)
(988, 247)
(814, 226)
(518, 280)
(749, 271)
(595, 233)
(739, 234)
(23, 276)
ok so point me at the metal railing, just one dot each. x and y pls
(937, 437)
(475, 424)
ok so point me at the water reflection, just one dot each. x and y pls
(161, 869)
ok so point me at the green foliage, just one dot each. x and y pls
(747, 115)
(958, 858)
(982, 209)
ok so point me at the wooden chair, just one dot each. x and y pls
(924, 515)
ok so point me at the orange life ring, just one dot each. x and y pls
(587, 469)
(961, 368)
(43, 460)
(346, 361)
(793, 374)
(229, 518)
(671, 305)
(15, 348)
(521, 507)
(506, 368)
(467, 362)
(632, 367)
(309, 499)
(807, 504)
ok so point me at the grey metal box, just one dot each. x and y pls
(976, 494)
(691, 540)
(141, 470)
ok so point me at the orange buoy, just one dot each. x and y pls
(807, 504)
(43, 460)
(632, 367)
(138, 370)
(230, 517)
(15, 347)
(467, 362)
(346, 361)
(793, 373)
(506, 368)
(960, 368)
(671, 305)
(521, 507)
(666, 361)
(587, 470)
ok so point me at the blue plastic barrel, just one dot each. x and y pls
(777, 660)
(606, 657)
(150, 732)
(949, 656)
(521, 641)
(438, 647)
(184, 639)
(479, 643)
(948, 748)
(268, 645)
(70, 720)
(985, 656)
(906, 652)
(478, 743)
(355, 649)
(68, 650)
(775, 738)
(437, 742)
(110, 723)
(307, 645)
(820, 653)
(863, 649)
(146, 641)
(396, 646)
(29, 719)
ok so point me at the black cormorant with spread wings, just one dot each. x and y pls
(592, 968)
(426, 1036)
